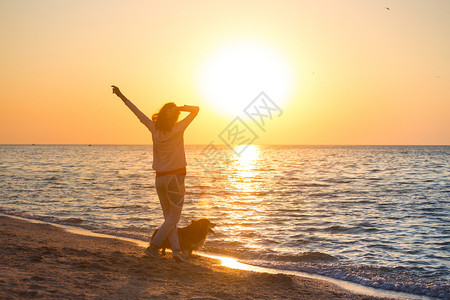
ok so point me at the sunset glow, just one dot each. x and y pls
(276, 137)
(342, 74)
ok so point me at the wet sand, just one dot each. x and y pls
(44, 261)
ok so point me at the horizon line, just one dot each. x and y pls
(92, 144)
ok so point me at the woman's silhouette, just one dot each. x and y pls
(169, 162)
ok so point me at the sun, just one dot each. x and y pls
(233, 76)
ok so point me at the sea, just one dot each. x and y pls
(378, 216)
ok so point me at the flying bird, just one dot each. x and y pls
(388, 8)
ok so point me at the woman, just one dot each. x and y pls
(169, 162)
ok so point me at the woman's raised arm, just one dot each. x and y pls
(193, 112)
(189, 108)
(140, 115)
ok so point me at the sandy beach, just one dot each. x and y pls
(44, 261)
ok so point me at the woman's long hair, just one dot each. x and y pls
(163, 120)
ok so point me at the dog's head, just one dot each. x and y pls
(204, 223)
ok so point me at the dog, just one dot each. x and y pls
(191, 237)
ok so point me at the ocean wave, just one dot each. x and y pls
(329, 195)
(398, 279)
(310, 256)
(337, 228)
(315, 184)
(75, 221)
(134, 229)
(125, 207)
(349, 229)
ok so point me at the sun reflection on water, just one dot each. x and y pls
(245, 168)
(230, 262)
(247, 157)
(233, 263)
(243, 206)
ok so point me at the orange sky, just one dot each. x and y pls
(359, 73)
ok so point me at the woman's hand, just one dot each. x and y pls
(116, 91)
(189, 108)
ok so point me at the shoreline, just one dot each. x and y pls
(42, 260)
(233, 263)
